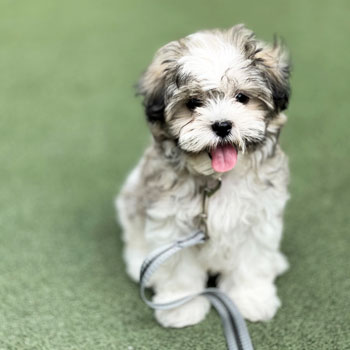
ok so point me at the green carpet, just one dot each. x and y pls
(71, 129)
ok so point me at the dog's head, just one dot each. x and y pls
(214, 93)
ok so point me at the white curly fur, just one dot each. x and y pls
(161, 199)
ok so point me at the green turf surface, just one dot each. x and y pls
(71, 129)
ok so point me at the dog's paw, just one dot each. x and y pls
(134, 258)
(259, 303)
(188, 314)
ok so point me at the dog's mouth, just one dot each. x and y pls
(223, 157)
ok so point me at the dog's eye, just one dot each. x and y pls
(242, 98)
(193, 103)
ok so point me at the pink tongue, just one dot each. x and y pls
(223, 158)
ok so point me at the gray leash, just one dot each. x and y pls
(235, 329)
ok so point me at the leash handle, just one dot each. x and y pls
(235, 329)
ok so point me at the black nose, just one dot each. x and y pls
(222, 129)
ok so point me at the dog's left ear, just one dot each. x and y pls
(275, 65)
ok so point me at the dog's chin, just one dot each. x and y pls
(199, 163)
(212, 162)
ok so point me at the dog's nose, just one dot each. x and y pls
(223, 128)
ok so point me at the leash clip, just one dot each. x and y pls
(203, 216)
(210, 191)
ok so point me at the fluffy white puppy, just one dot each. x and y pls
(214, 103)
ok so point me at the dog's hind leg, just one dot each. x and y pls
(132, 220)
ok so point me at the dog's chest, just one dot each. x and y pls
(232, 212)
(234, 206)
(239, 207)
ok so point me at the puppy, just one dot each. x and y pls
(214, 102)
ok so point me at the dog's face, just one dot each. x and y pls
(215, 93)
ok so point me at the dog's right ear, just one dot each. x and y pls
(154, 82)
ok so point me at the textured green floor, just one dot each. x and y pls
(70, 129)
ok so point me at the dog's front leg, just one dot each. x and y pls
(180, 276)
(250, 284)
